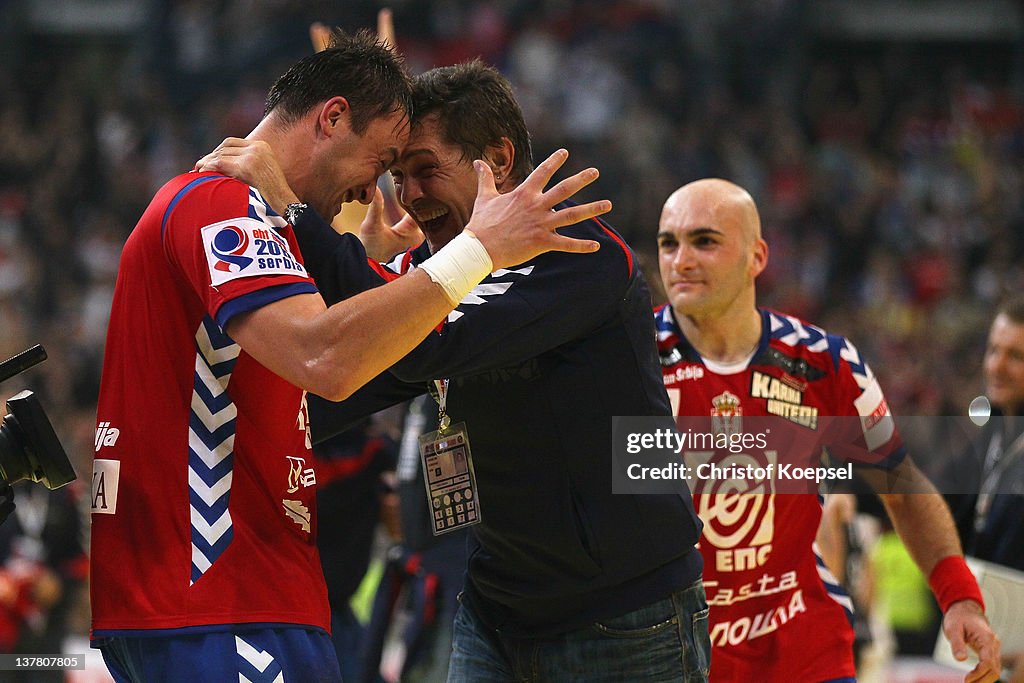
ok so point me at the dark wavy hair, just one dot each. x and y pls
(358, 67)
(475, 109)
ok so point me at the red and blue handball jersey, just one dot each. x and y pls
(777, 613)
(203, 496)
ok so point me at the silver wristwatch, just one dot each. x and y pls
(294, 211)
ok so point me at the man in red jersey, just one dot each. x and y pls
(204, 562)
(777, 613)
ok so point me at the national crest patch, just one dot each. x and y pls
(246, 247)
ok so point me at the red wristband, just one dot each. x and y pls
(951, 580)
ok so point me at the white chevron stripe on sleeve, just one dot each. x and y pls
(242, 678)
(259, 205)
(829, 579)
(501, 272)
(216, 385)
(491, 289)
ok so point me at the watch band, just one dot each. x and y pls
(294, 211)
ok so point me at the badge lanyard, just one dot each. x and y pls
(997, 461)
(448, 473)
(443, 421)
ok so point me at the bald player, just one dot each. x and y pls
(777, 613)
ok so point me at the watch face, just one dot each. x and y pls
(293, 212)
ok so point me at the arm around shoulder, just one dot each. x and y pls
(334, 351)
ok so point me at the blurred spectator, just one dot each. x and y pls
(900, 596)
(992, 520)
(42, 568)
(991, 517)
(417, 597)
(349, 468)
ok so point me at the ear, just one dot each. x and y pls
(760, 258)
(500, 157)
(334, 116)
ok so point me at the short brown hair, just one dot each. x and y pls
(358, 67)
(475, 109)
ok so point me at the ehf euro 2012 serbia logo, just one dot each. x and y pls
(246, 247)
(229, 246)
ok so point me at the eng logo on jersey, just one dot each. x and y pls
(245, 247)
(738, 514)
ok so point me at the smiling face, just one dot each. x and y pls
(435, 182)
(710, 250)
(346, 167)
(1003, 366)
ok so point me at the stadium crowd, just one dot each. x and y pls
(888, 175)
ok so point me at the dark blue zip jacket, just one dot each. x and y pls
(540, 357)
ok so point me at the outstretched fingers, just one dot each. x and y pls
(541, 176)
(570, 244)
(570, 186)
(518, 225)
(580, 213)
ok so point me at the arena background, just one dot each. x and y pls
(882, 140)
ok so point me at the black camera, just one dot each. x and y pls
(29, 448)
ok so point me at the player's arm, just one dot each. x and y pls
(918, 513)
(836, 516)
(921, 518)
(333, 351)
(329, 418)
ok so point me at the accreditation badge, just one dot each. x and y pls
(449, 479)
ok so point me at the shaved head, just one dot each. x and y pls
(710, 252)
(718, 198)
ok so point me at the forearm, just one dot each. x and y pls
(333, 351)
(361, 337)
(925, 526)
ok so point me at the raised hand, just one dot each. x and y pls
(966, 627)
(386, 28)
(520, 224)
(320, 36)
(320, 33)
(252, 162)
(381, 238)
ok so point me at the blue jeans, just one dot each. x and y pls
(666, 642)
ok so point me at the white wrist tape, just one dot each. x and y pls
(459, 266)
